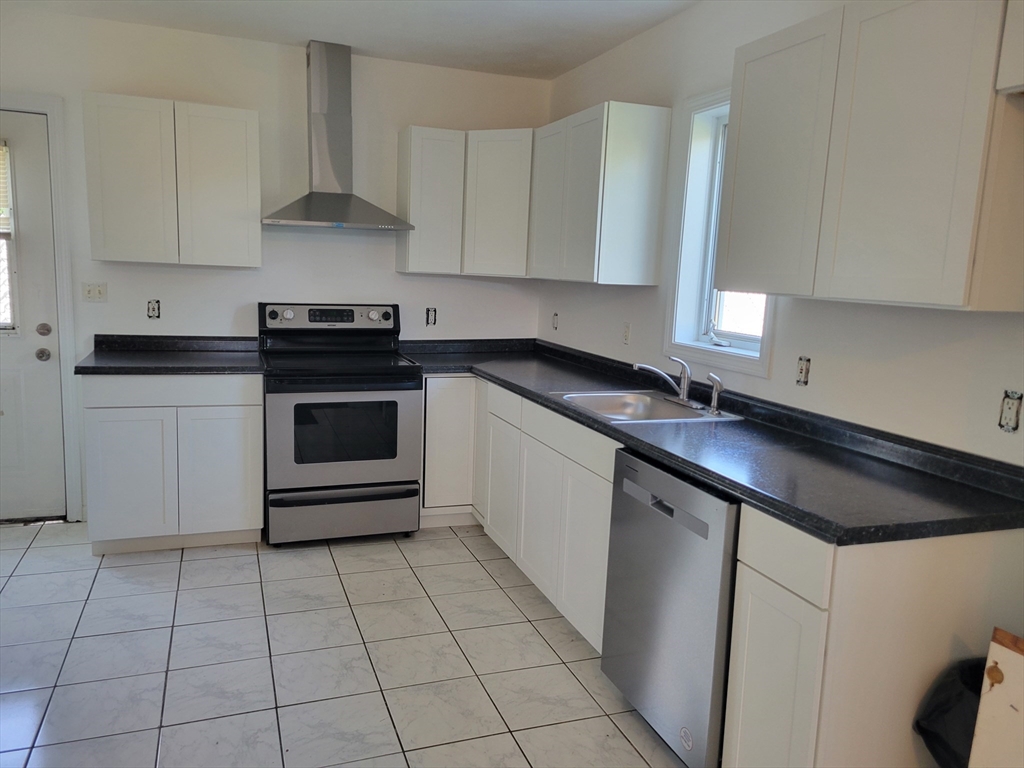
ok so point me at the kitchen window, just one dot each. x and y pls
(724, 329)
(7, 270)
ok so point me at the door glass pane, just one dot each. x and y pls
(333, 432)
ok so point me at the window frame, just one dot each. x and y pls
(694, 303)
(14, 329)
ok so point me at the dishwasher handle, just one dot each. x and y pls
(681, 516)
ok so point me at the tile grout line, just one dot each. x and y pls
(167, 671)
(270, 657)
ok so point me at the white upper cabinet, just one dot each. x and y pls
(1011, 56)
(431, 175)
(172, 182)
(497, 208)
(597, 190)
(912, 205)
(130, 177)
(913, 100)
(218, 162)
(776, 149)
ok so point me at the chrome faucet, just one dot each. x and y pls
(682, 389)
(717, 387)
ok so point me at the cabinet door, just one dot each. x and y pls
(540, 515)
(775, 670)
(913, 98)
(131, 472)
(586, 526)
(431, 177)
(547, 197)
(480, 449)
(497, 202)
(130, 178)
(1010, 77)
(502, 484)
(218, 162)
(584, 179)
(448, 455)
(777, 144)
(220, 468)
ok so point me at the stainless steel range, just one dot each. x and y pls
(344, 422)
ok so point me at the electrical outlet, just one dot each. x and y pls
(554, 321)
(625, 333)
(153, 309)
(803, 371)
(1009, 411)
(431, 315)
(94, 291)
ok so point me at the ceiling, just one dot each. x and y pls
(530, 38)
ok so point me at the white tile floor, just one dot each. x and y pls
(428, 651)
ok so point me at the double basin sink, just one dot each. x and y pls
(643, 407)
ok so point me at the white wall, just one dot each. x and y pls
(66, 55)
(935, 375)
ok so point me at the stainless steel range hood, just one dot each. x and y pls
(330, 202)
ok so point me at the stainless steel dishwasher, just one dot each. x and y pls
(671, 564)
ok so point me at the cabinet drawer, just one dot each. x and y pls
(144, 391)
(792, 558)
(504, 404)
(584, 446)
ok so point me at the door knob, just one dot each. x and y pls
(44, 329)
(43, 354)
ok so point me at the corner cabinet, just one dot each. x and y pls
(468, 195)
(169, 455)
(596, 195)
(172, 182)
(869, 159)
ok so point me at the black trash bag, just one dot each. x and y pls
(948, 712)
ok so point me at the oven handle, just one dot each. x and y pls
(342, 496)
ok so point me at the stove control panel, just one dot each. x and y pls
(341, 316)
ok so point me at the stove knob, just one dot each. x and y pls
(374, 315)
(386, 316)
(272, 314)
(288, 314)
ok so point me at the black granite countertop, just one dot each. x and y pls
(835, 493)
(838, 482)
(170, 355)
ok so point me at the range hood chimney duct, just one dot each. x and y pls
(330, 202)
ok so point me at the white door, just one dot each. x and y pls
(540, 514)
(584, 181)
(217, 150)
(913, 98)
(220, 468)
(547, 197)
(448, 454)
(777, 146)
(502, 484)
(777, 660)
(130, 178)
(586, 528)
(131, 472)
(497, 202)
(31, 428)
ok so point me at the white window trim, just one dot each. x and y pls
(728, 358)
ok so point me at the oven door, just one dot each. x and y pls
(317, 439)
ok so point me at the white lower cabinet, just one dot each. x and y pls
(540, 513)
(220, 468)
(778, 655)
(449, 450)
(169, 455)
(502, 469)
(586, 525)
(131, 465)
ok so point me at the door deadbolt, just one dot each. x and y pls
(43, 354)
(44, 329)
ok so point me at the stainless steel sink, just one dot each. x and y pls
(625, 407)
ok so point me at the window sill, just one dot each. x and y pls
(728, 358)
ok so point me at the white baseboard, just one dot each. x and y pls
(435, 517)
(150, 543)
